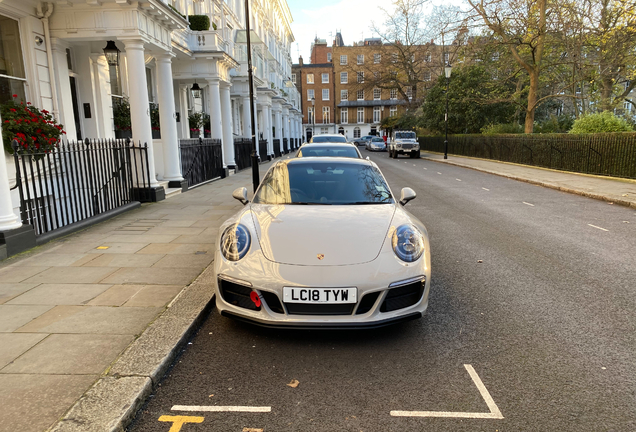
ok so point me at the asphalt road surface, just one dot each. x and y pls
(533, 289)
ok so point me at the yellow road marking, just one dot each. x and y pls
(179, 421)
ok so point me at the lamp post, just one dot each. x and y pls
(250, 74)
(313, 117)
(447, 71)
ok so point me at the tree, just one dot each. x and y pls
(473, 102)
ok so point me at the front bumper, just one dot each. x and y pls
(375, 279)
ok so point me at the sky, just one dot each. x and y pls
(353, 18)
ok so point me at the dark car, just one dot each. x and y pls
(329, 150)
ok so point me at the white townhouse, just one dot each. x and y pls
(93, 62)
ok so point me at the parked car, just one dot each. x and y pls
(324, 243)
(404, 142)
(376, 144)
(329, 150)
(363, 140)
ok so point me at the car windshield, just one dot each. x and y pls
(334, 151)
(328, 138)
(405, 135)
(377, 140)
(334, 182)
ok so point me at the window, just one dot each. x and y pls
(360, 115)
(344, 95)
(409, 92)
(149, 87)
(356, 132)
(627, 105)
(446, 58)
(361, 77)
(328, 57)
(310, 115)
(360, 95)
(377, 75)
(393, 111)
(377, 58)
(495, 57)
(310, 78)
(360, 59)
(344, 115)
(325, 115)
(427, 57)
(344, 77)
(341, 130)
(377, 94)
(427, 76)
(324, 130)
(294, 78)
(310, 94)
(325, 94)
(325, 78)
(11, 63)
(376, 114)
(394, 58)
(393, 75)
(343, 59)
(393, 93)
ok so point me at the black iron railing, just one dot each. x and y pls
(201, 160)
(285, 145)
(262, 150)
(277, 147)
(242, 153)
(600, 154)
(80, 180)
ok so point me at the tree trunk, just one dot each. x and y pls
(606, 92)
(532, 100)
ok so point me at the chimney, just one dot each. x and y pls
(300, 60)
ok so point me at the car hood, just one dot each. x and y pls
(341, 234)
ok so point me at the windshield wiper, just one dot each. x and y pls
(367, 202)
(309, 203)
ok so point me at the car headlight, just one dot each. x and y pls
(235, 242)
(408, 243)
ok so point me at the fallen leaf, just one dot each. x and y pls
(294, 383)
(211, 395)
(625, 194)
(480, 261)
(252, 430)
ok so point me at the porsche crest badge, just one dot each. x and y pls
(320, 256)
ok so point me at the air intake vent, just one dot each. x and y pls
(367, 302)
(237, 295)
(272, 302)
(403, 297)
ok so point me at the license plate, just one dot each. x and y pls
(320, 295)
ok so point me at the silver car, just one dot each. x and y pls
(324, 243)
(376, 144)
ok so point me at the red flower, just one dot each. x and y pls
(14, 110)
(15, 96)
(28, 103)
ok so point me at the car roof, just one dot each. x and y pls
(311, 160)
(333, 135)
(328, 144)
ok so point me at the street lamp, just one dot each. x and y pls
(112, 53)
(313, 117)
(196, 91)
(447, 71)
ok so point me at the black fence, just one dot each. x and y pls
(285, 145)
(600, 154)
(80, 180)
(277, 147)
(201, 160)
(262, 150)
(242, 153)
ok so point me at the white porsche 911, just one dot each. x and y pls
(323, 244)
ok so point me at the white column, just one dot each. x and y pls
(279, 127)
(286, 126)
(267, 129)
(247, 122)
(103, 110)
(8, 219)
(184, 123)
(139, 106)
(214, 108)
(167, 118)
(256, 125)
(226, 118)
(65, 102)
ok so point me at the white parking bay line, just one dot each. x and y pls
(486, 189)
(493, 414)
(425, 168)
(597, 227)
(196, 408)
(458, 179)
(439, 173)
(531, 205)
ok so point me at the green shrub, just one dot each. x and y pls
(554, 124)
(199, 22)
(498, 129)
(600, 123)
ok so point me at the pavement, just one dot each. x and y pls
(90, 323)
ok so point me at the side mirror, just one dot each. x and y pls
(406, 195)
(241, 195)
(368, 158)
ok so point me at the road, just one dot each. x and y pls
(534, 288)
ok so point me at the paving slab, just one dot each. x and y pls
(60, 294)
(54, 260)
(143, 238)
(11, 290)
(124, 260)
(184, 261)
(70, 354)
(19, 273)
(62, 275)
(116, 295)
(32, 403)
(15, 344)
(178, 248)
(118, 248)
(12, 317)
(154, 296)
(153, 275)
(93, 319)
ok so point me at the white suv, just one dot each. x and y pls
(404, 142)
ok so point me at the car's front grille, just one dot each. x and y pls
(237, 295)
(272, 302)
(319, 309)
(407, 146)
(403, 296)
(367, 302)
